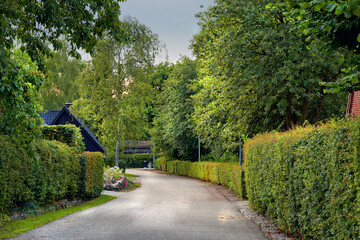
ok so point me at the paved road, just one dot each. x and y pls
(165, 207)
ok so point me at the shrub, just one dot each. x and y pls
(16, 180)
(136, 160)
(49, 174)
(69, 134)
(157, 163)
(161, 163)
(112, 175)
(228, 174)
(129, 160)
(308, 179)
(91, 177)
(56, 171)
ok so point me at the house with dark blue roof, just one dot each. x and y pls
(63, 117)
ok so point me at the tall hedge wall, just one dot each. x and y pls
(53, 171)
(50, 174)
(308, 179)
(91, 177)
(16, 181)
(69, 134)
(229, 175)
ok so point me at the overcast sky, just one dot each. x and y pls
(172, 20)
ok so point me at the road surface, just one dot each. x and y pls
(165, 207)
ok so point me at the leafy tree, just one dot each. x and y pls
(257, 75)
(334, 24)
(157, 77)
(18, 98)
(173, 132)
(33, 25)
(60, 85)
(114, 86)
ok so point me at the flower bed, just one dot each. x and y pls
(114, 179)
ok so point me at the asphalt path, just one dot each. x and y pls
(165, 207)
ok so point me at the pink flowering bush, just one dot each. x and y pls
(114, 178)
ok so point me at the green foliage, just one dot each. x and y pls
(112, 87)
(18, 107)
(227, 174)
(129, 160)
(33, 26)
(18, 227)
(51, 173)
(160, 163)
(56, 171)
(16, 175)
(136, 160)
(308, 179)
(69, 134)
(91, 177)
(173, 131)
(157, 77)
(256, 74)
(60, 85)
(329, 25)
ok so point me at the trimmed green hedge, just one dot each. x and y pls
(136, 160)
(16, 180)
(91, 177)
(308, 179)
(160, 163)
(229, 174)
(69, 134)
(130, 160)
(56, 171)
(50, 174)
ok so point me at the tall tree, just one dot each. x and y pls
(60, 85)
(173, 131)
(114, 86)
(256, 74)
(333, 24)
(33, 25)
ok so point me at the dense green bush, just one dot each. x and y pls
(160, 163)
(49, 174)
(69, 134)
(56, 171)
(308, 179)
(129, 160)
(136, 160)
(91, 177)
(16, 180)
(229, 175)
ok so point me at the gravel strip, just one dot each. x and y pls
(267, 226)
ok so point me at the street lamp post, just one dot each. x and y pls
(240, 152)
(199, 147)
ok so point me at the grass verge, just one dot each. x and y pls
(20, 226)
(130, 175)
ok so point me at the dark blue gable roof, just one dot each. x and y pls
(49, 116)
(92, 144)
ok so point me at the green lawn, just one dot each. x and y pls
(17, 227)
(130, 175)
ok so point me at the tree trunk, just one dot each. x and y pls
(117, 153)
(289, 119)
(318, 109)
(305, 109)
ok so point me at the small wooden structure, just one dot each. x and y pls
(133, 147)
(64, 116)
